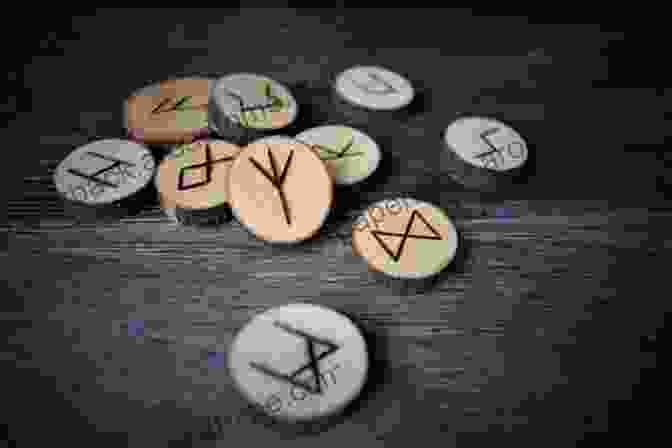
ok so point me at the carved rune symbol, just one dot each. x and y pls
(277, 180)
(274, 104)
(489, 157)
(312, 364)
(94, 176)
(376, 85)
(335, 154)
(208, 170)
(406, 235)
(178, 106)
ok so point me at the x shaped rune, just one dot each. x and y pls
(406, 235)
(277, 180)
(334, 154)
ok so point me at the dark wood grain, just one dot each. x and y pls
(118, 329)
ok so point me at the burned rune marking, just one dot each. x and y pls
(94, 177)
(179, 105)
(248, 113)
(489, 157)
(335, 154)
(376, 85)
(209, 162)
(277, 180)
(312, 364)
(406, 235)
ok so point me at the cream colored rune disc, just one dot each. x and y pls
(280, 190)
(375, 88)
(349, 154)
(104, 171)
(195, 175)
(486, 143)
(299, 362)
(172, 111)
(250, 101)
(405, 238)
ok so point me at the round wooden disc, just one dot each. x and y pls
(405, 238)
(280, 209)
(374, 88)
(173, 111)
(104, 172)
(195, 175)
(299, 362)
(349, 154)
(251, 101)
(486, 143)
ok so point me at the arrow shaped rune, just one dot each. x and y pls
(277, 180)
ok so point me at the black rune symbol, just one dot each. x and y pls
(94, 176)
(208, 170)
(277, 180)
(489, 158)
(376, 85)
(406, 235)
(274, 104)
(335, 154)
(312, 364)
(179, 105)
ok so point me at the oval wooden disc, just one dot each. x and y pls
(104, 172)
(173, 111)
(350, 155)
(299, 362)
(251, 101)
(486, 143)
(405, 238)
(374, 88)
(287, 204)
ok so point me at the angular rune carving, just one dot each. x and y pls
(94, 176)
(335, 154)
(277, 180)
(489, 158)
(179, 105)
(209, 162)
(406, 235)
(249, 112)
(376, 85)
(312, 364)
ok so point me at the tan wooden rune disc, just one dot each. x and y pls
(173, 111)
(405, 238)
(195, 176)
(287, 204)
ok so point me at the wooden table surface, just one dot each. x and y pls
(542, 329)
